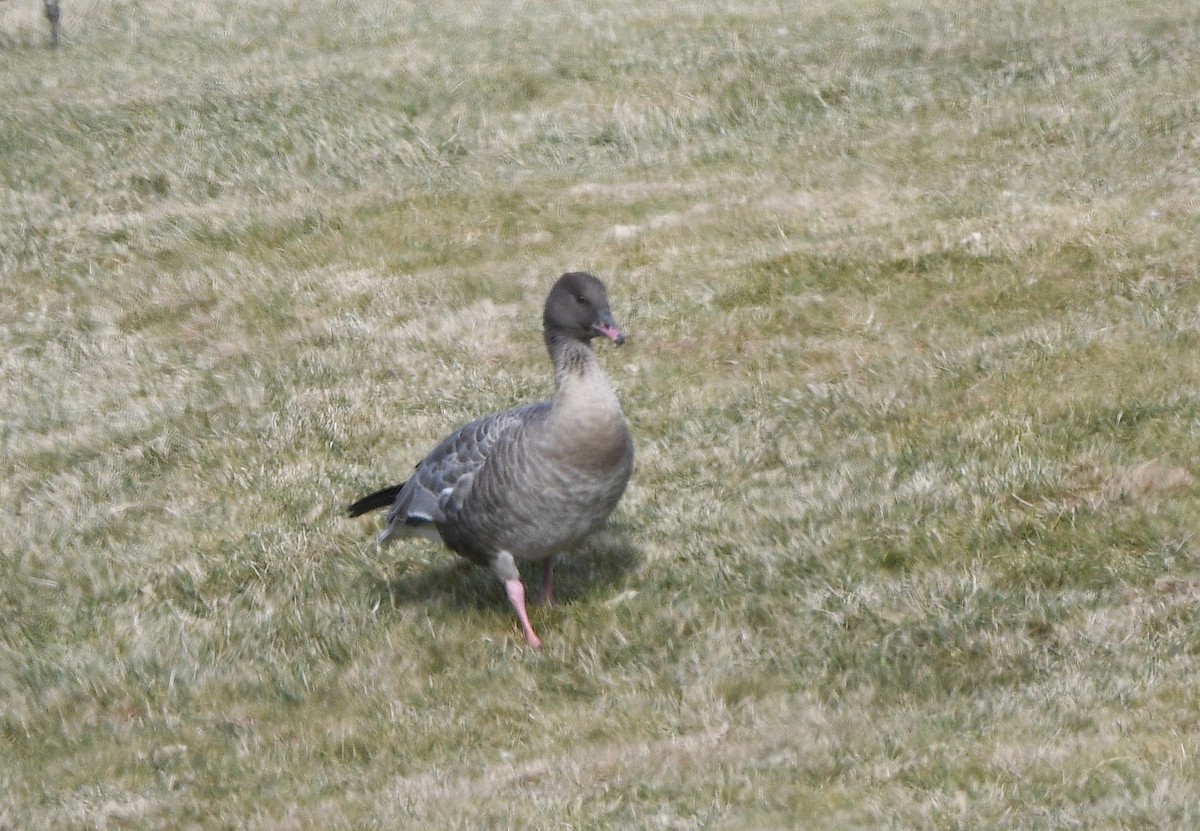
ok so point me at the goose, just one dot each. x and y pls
(527, 483)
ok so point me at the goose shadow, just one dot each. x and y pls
(597, 565)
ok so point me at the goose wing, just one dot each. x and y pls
(449, 468)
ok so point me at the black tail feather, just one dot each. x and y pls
(374, 501)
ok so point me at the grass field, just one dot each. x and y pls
(914, 313)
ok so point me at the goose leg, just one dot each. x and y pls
(53, 15)
(516, 596)
(546, 596)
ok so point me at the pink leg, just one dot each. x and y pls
(516, 596)
(546, 596)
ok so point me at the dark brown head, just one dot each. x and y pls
(577, 309)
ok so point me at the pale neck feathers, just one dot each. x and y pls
(585, 405)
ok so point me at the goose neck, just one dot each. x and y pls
(571, 358)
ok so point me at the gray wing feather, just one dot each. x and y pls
(448, 470)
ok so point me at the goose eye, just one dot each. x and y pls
(582, 300)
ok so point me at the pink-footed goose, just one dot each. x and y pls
(527, 483)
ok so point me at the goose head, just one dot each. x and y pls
(577, 309)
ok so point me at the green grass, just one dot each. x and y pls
(914, 312)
